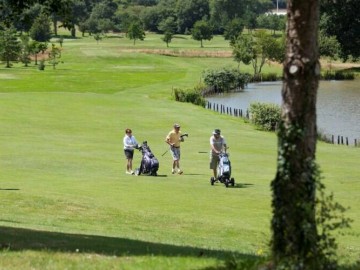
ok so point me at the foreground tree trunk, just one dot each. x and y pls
(295, 236)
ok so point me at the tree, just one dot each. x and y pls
(343, 22)
(28, 16)
(97, 37)
(265, 48)
(328, 46)
(223, 11)
(250, 20)
(10, 47)
(77, 14)
(294, 231)
(190, 11)
(151, 18)
(202, 30)
(54, 55)
(136, 31)
(36, 47)
(167, 38)
(41, 30)
(25, 50)
(101, 19)
(10, 11)
(243, 49)
(168, 27)
(233, 29)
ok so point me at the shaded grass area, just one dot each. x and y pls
(19, 239)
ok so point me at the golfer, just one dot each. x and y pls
(173, 139)
(130, 144)
(217, 144)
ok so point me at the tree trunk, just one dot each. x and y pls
(295, 235)
(55, 25)
(73, 31)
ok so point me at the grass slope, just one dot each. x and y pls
(66, 201)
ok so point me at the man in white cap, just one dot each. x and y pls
(173, 139)
(217, 144)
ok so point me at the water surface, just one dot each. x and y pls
(338, 104)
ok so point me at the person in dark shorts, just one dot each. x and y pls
(130, 144)
(217, 144)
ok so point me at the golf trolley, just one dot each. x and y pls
(223, 171)
(149, 164)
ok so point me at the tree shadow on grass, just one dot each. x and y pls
(18, 239)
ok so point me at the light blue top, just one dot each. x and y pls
(129, 142)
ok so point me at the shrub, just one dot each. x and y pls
(193, 96)
(265, 115)
(338, 75)
(226, 80)
(41, 65)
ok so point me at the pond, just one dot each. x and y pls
(338, 105)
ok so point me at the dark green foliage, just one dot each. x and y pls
(10, 47)
(202, 30)
(25, 50)
(272, 22)
(167, 38)
(343, 22)
(226, 80)
(265, 115)
(41, 30)
(233, 29)
(190, 11)
(136, 31)
(338, 75)
(193, 96)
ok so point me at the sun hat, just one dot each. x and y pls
(216, 131)
(176, 125)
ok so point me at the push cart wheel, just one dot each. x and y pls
(232, 181)
(226, 183)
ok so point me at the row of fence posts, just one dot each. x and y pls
(344, 140)
(227, 110)
(239, 113)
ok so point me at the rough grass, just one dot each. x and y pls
(66, 202)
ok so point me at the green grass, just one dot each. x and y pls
(66, 202)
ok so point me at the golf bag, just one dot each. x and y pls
(224, 168)
(149, 163)
(223, 171)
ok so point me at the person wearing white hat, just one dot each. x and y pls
(217, 144)
(173, 139)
